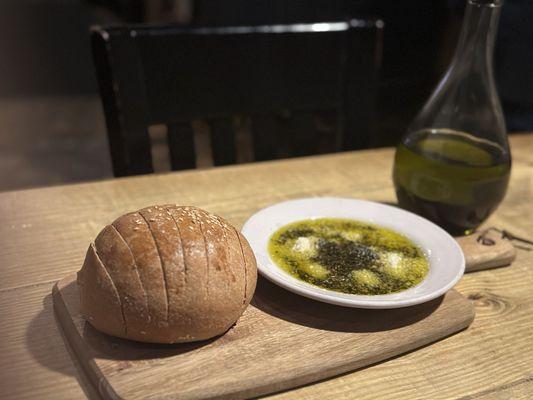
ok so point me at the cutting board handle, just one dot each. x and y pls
(491, 251)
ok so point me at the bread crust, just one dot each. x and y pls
(98, 291)
(251, 267)
(167, 274)
(117, 258)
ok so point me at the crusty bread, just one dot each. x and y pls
(167, 274)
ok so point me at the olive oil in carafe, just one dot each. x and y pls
(452, 178)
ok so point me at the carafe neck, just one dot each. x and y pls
(476, 43)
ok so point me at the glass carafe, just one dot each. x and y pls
(453, 164)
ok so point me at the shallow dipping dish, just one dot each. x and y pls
(446, 260)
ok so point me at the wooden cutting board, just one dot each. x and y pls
(283, 340)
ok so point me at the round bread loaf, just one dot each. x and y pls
(167, 274)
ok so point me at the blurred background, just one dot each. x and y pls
(52, 128)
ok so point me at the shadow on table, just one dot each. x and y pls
(297, 309)
(44, 338)
(393, 204)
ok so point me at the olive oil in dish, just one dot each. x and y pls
(348, 256)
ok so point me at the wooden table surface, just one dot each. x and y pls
(45, 233)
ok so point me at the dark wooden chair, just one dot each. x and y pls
(285, 78)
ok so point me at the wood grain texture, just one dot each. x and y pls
(282, 340)
(519, 390)
(34, 361)
(45, 234)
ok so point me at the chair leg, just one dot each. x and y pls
(304, 136)
(268, 139)
(181, 146)
(223, 141)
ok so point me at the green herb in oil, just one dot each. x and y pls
(348, 256)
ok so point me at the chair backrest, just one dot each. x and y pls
(279, 76)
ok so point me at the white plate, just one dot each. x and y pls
(446, 260)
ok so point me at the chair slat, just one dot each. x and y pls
(268, 135)
(119, 71)
(304, 137)
(359, 93)
(223, 141)
(181, 146)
